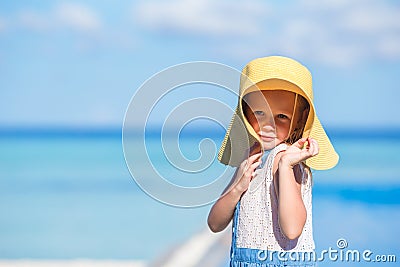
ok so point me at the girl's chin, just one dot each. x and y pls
(268, 145)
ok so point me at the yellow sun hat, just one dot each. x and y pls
(275, 73)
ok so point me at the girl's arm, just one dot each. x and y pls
(222, 211)
(292, 213)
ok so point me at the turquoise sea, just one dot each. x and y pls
(70, 195)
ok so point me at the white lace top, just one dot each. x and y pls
(258, 225)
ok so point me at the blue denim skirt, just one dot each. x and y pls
(248, 257)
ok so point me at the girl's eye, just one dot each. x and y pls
(259, 113)
(282, 116)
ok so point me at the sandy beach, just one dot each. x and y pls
(203, 249)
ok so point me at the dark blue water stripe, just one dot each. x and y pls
(116, 132)
(370, 194)
(45, 133)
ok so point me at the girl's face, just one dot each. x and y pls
(272, 124)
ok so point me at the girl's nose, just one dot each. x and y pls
(268, 128)
(267, 124)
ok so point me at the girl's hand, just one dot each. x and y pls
(297, 153)
(222, 211)
(246, 171)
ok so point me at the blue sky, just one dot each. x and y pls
(78, 63)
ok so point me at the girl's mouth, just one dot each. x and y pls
(267, 137)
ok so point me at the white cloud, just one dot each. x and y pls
(332, 32)
(343, 33)
(372, 17)
(77, 16)
(204, 17)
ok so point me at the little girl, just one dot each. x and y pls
(274, 139)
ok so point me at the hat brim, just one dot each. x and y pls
(327, 157)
